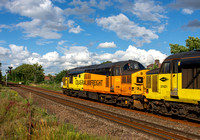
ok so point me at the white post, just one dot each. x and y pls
(6, 79)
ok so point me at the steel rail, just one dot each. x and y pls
(121, 119)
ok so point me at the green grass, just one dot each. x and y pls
(21, 119)
(51, 86)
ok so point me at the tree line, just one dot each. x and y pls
(28, 73)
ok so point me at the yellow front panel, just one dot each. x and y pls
(77, 82)
(138, 82)
(65, 82)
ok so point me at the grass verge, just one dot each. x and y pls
(50, 86)
(21, 119)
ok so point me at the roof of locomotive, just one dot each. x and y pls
(193, 53)
(103, 66)
(189, 59)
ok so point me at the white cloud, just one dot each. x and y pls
(187, 11)
(4, 53)
(107, 45)
(145, 10)
(43, 42)
(75, 30)
(127, 29)
(75, 56)
(62, 42)
(51, 56)
(3, 26)
(72, 29)
(46, 19)
(19, 52)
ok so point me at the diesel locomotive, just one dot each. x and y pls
(174, 89)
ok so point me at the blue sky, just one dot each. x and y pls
(63, 34)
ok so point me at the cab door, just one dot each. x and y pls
(165, 80)
(116, 80)
(174, 79)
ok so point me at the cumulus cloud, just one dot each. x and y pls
(72, 29)
(4, 53)
(83, 9)
(46, 19)
(145, 10)
(75, 56)
(62, 42)
(187, 11)
(107, 45)
(127, 29)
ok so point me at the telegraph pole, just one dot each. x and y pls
(8, 71)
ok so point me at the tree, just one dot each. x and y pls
(38, 72)
(26, 72)
(154, 67)
(106, 62)
(192, 43)
(60, 75)
(176, 48)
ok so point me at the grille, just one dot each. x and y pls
(148, 82)
(123, 79)
(107, 81)
(128, 78)
(154, 83)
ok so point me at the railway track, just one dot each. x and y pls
(153, 129)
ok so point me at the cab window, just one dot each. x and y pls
(165, 67)
(116, 71)
(71, 79)
(176, 68)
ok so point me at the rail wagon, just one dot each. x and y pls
(175, 87)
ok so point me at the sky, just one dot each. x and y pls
(63, 34)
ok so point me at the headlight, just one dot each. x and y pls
(139, 79)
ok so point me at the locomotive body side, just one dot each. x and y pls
(94, 83)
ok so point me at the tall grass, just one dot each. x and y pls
(51, 86)
(21, 119)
